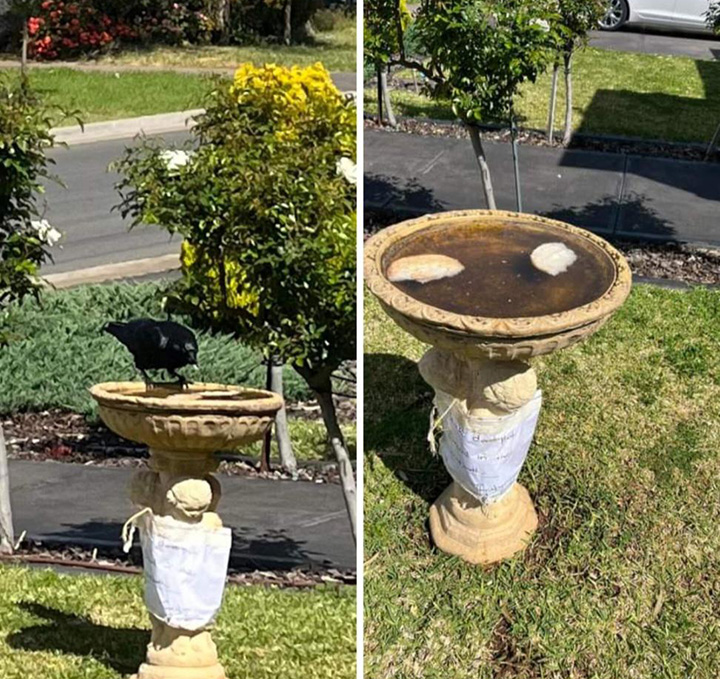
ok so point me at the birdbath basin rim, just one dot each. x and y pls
(197, 398)
(496, 337)
(202, 418)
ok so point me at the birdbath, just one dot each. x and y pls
(183, 428)
(469, 284)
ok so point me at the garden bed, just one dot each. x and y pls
(60, 436)
(640, 147)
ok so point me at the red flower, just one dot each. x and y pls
(46, 5)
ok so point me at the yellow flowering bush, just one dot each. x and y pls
(265, 203)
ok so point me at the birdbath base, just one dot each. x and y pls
(482, 534)
(185, 546)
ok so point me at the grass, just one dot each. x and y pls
(57, 349)
(79, 627)
(99, 96)
(109, 96)
(335, 49)
(616, 93)
(622, 578)
(310, 442)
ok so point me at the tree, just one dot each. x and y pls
(23, 10)
(25, 238)
(267, 212)
(479, 53)
(574, 20)
(385, 23)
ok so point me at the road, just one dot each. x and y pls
(696, 46)
(94, 234)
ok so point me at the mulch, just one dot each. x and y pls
(117, 562)
(433, 128)
(61, 436)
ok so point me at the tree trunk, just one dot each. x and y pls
(378, 75)
(267, 439)
(484, 168)
(386, 98)
(516, 162)
(222, 19)
(282, 433)
(553, 103)
(24, 52)
(337, 441)
(567, 136)
(713, 143)
(287, 35)
(7, 535)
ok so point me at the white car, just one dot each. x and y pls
(677, 15)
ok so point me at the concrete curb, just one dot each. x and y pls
(126, 128)
(113, 272)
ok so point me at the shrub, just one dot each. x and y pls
(266, 206)
(25, 238)
(268, 219)
(66, 29)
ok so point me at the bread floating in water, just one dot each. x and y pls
(423, 268)
(553, 258)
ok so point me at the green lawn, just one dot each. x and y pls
(618, 93)
(109, 96)
(79, 627)
(335, 49)
(622, 579)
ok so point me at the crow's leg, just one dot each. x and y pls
(181, 380)
(146, 378)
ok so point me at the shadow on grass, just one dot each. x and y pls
(397, 416)
(122, 649)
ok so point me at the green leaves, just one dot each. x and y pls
(25, 123)
(482, 51)
(267, 217)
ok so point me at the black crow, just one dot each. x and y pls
(157, 345)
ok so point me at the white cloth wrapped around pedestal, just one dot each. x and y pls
(485, 455)
(185, 569)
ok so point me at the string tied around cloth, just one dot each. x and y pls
(435, 422)
(129, 527)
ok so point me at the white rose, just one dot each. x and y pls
(175, 159)
(347, 169)
(46, 232)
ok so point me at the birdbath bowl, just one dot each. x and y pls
(487, 309)
(183, 429)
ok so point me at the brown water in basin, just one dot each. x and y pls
(499, 280)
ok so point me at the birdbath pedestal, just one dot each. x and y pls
(468, 284)
(183, 428)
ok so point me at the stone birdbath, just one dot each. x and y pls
(478, 287)
(183, 429)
